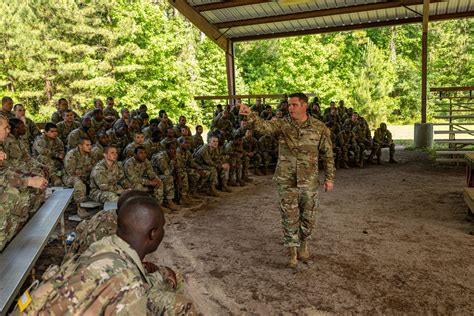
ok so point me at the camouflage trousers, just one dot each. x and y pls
(235, 171)
(267, 158)
(167, 189)
(298, 208)
(14, 212)
(80, 188)
(377, 149)
(190, 178)
(55, 167)
(157, 192)
(347, 149)
(256, 161)
(104, 196)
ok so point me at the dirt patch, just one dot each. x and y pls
(390, 239)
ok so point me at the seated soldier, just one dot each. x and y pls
(97, 151)
(251, 154)
(197, 140)
(135, 125)
(181, 124)
(267, 150)
(234, 150)
(120, 137)
(353, 121)
(209, 158)
(169, 137)
(78, 165)
(346, 142)
(138, 140)
(67, 125)
(382, 139)
(98, 104)
(267, 114)
(97, 120)
(164, 163)
(49, 150)
(140, 174)
(80, 132)
(363, 137)
(147, 131)
(111, 278)
(107, 179)
(31, 129)
(153, 144)
(124, 120)
(219, 109)
(191, 175)
(110, 113)
(15, 200)
(223, 124)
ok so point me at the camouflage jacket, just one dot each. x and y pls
(46, 149)
(163, 165)
(177, 130)
(32, 131)
(105, 178)
(97, 152)
(382, 137)
(250, 144)
(120, 142)
(300, 148)
(185, 160)
(346, 139)
(107, 279)
(267, 143)
(197, 142)
(98, 125)
(129, 151)
(152, 148)
(58, 117)
(111, 112)
(77, 165)
(9, 178)
(64, 130)
(139, 172)
(206, 156)
(167, 140)
(232, 150)
(19, 157)
(74, 138)
(362, 134)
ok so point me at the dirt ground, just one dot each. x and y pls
(390, 239)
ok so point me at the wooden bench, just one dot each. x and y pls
(20, 255)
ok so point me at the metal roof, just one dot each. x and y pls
(245, 20)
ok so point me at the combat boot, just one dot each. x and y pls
(232, 183)
(392, 160)
(82, 212)
(225, 188)
(303, 253)
(293, 257)
(213, 192)
(186, 199)
(172, 206)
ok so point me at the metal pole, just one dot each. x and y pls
(230, 70)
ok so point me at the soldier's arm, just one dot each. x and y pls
(151, 174)
(100, 177)
(206, 157)
(132, 175)
(326, 154)
(41, 148)
(263, 126)
(70, 165)
(389, 137)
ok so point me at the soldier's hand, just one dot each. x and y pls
(244, 110)
(37, 182)
(328, 186)
(3, 156)
(225, 166)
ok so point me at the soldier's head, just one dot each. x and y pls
(128, 194)
(182, 120)
(170, 150)
(154, 123)
(219, 107)
(103, 138)
(125, 113)
(156, 136)
(184, 131)
(68, 116)
(169, 132)
(161, 113)
(85, 145)
(139, 138)
(4, 128)
(98, 104)
(316, 108)
(91, 133)
(383, 126)
(237, 140)
(144, 117)
(110, 153)
(19, 110)
(7, 104)
(226, 115)
(268, 108)
(298, 104)
(184, 143)
(17, 127)
(134, 124)
(354, 117)
(142, 108)
(98, 115)
(62, 104)
(51, 130)
(199, 130)
(110, 102)
(341, 103)
(213, 141)
(347, 128)
(86, 123)
(279, 114)
(258, 101)
(122, 130)
(140, 153)
(140, 223)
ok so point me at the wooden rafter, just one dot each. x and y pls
(226, 4)
(321, 13)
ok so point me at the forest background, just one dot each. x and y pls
(145, 52)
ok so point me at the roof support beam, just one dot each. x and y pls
(200, 22)
(353, 27)
(320, 13)
(424, 59)
(230, 69)
(226, 4)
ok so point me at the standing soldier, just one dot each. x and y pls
(49, 151)
(78, 165)
(302, 140)
(382, 139)
(107, 180)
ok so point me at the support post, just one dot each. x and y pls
(230, 69)
(424, 59)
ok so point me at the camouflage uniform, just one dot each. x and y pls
(139, 175)
(64, 130)
(165, 168)
(236, 156)
(222, 124)
(251, 145)
(347, 142)
(190, 172)
(57, 117)
(32, 131)
(77, 168)
(111, 112)
(211, 160)
(300, 147)
(177, 130)
(168, 140)
(74, 138)
(19, 157)
(197, 142)
(152, 148)
(120, 142)
(107, 183)
(97, 153)
(129, 151)
(48, 152)
(98, 125)
(363, 138)
(382, 139)
(107, 279)
(266, 146)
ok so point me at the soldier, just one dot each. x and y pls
(223, 124)
(14, 198)
(303, 140)
(62, 106)
(119, 137)
(197, 140)
(258, 106)
(124, 120)
(98, 104)
(31, 129)
(382, 139)
(110, 277)
(97, 151)
(316, 111)
(331, 108)
(138, 140)
(153, 144)
(191, 174)
(165, 165)
(343, 111)
(140, 174)
(347, 142)
(147, 131)
(353, 121)
(97, 120)
(235, 151)
(267, 114)
(363, 137)
(80, 132)
(209, 158)
(7, 106)
(107, 180)
(252, 154)
(169, 137)
(67, 125)
(110, 113)
(181, 124)
(267, 150)
(49, 151)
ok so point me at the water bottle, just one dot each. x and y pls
(70, 238)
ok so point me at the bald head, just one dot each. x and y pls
(130, 194)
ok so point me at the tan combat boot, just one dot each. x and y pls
(303, 253)
(172, 206)
(293, 260)
(213, 192)
(186, 199)
(82, 213)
